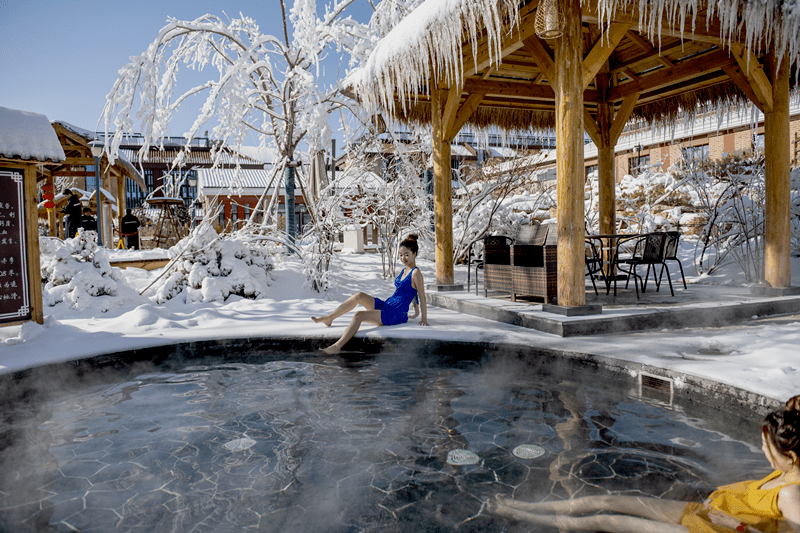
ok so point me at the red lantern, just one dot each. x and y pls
(47, 196)
(49, 204)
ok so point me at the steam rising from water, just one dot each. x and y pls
(340, 445)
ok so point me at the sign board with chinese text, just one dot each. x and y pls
(15, 304)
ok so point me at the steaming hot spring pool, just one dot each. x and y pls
(299, 442)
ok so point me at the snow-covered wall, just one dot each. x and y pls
(26, 135)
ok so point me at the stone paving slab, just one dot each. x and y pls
(697, 306)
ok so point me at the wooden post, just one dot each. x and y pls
(31, 215)
(52, 218)
(606, 186)
(777, 262)
(122, 204)
(606, 179)
(442, 194)
(569, 147)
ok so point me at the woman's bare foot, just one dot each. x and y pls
(331, 350)
(324, 319)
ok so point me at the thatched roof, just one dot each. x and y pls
(679, 56)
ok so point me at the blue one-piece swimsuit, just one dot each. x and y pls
(395, 309)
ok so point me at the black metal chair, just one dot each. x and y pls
(671, 254)
(594, 263)
(648, 250)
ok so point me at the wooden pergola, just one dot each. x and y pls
(75, 144)
(481, 63)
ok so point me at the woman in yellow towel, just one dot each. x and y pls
(769, 505)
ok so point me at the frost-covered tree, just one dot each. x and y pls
(267, 84)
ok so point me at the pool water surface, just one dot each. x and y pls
(301, 442)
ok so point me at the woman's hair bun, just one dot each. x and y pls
(412, 237)
(793, 404)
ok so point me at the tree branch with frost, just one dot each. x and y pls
(256, 73)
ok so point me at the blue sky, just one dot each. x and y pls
(60, 58)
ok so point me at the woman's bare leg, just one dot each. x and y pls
(661, 510)
(372, 317)
(607, 523)
(359, 298)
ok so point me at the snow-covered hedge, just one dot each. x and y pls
(77, 272)
(210, 268)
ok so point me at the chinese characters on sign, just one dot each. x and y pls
(14, 297)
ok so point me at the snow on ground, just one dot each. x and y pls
(759, 356)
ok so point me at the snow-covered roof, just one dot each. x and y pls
(450, 40)
(258, 153)
(459, 150)
(194, 157)
(86, 134)
(501, 151)
(353, 178)
(226, 178)
(29, 136)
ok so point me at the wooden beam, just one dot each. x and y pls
(622, 116)
(591, 128)
(644, 45)
(509, 88)
(755, 75)
(73, 173)
(465, 111)
(715, 77)
(647, 57)
(79, 161)
(601, 51)
(538, 50)
(521, 89)
(450, 109)
(665, 77)
(736, 75)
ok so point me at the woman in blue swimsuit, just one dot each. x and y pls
(409, 289)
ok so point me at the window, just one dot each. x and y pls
(222, 217)
(134, 195)
(590, 169)
(148, 180)
(91, 182)
(695, 153)
(638, 164)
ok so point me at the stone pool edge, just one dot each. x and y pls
(688, 387)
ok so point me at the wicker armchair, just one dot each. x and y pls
(534, 269)
(496, 264)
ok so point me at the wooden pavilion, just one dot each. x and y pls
(75, 143)
(601, 64)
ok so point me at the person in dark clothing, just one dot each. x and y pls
(129, 227)
(88, 221)
(73, 209)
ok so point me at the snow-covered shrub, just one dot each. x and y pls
(208, 267)
(730, 192)
(498, 201)
(76, 271)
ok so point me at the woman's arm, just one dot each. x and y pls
(419, 285)
(789, 505)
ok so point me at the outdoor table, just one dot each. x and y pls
(608, 254)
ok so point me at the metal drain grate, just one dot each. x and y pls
(655, 387)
